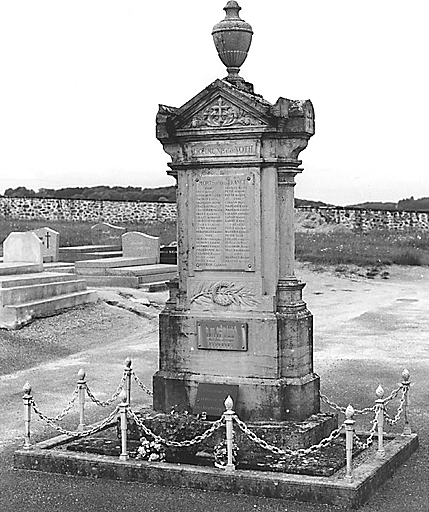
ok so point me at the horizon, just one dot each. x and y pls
(296, 198)
(83, 85)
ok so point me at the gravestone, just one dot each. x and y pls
(140, 245)
(235, 315)
(50, 243)
(107, 234)
(23, 248)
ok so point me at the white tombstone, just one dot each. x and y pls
(106, 234)
(50, 243)
(140, 245)
(23, 248)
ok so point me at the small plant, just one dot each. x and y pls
(220, 453)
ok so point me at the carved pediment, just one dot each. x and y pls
(222, 106)
(222, 113)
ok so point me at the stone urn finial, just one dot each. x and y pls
(232, 37)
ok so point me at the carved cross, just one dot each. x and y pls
(220, 114)
(47, 236)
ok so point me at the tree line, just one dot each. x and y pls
(101, 193)
(408, 204)
(168, 194)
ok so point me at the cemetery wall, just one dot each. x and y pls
(120, 212)
(80, 210)
(361, 220)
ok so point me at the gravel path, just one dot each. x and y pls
(366, 332)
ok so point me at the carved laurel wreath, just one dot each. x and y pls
(224, 294)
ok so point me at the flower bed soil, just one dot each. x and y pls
(323, 462)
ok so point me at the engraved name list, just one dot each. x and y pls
(223, 225)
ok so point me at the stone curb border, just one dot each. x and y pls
(334, 490)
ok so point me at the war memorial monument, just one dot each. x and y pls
(236, 315)
(235, 336)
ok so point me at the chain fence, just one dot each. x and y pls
(141, 385)
(124, 411)
(75, 433)
(178, 444)
(114, 397)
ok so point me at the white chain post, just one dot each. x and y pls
(379, 404)
(229, 413)
(349, 426)
(406, 389)
(123, 406)
(82, 391)
(27, 398)
(128, 372)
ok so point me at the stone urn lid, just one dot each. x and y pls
(232, 37)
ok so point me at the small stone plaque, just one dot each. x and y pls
(211, 397)
(222, 335)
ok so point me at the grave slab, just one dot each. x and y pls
(116, 262)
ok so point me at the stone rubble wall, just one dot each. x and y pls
(131, 212)
(311, 218)
(81, 210)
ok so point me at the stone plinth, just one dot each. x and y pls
(236, 314)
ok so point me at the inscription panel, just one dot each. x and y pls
(224, 230)
(222, 335)
(203, 150)
(211, 397)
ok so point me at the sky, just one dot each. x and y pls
(81, 82)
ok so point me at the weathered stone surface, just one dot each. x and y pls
(235, 157)
(140, 245)
(106, 234)
(50, 243)
(23, 247)
(335, 490)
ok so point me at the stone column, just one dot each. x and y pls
(295, 322)
(289, 289)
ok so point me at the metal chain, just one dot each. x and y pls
(68, 407)
(85, 433)
(338, 408)
(111, 400)
(278, 451)
(393, 421)
(393, 394)
(178, 444)
(368, 443)
(140, 383)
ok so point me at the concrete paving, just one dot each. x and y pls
(366, 333)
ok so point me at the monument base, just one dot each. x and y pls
(258, 399)
(372, 472)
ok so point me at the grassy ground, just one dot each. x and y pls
(374, 248)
